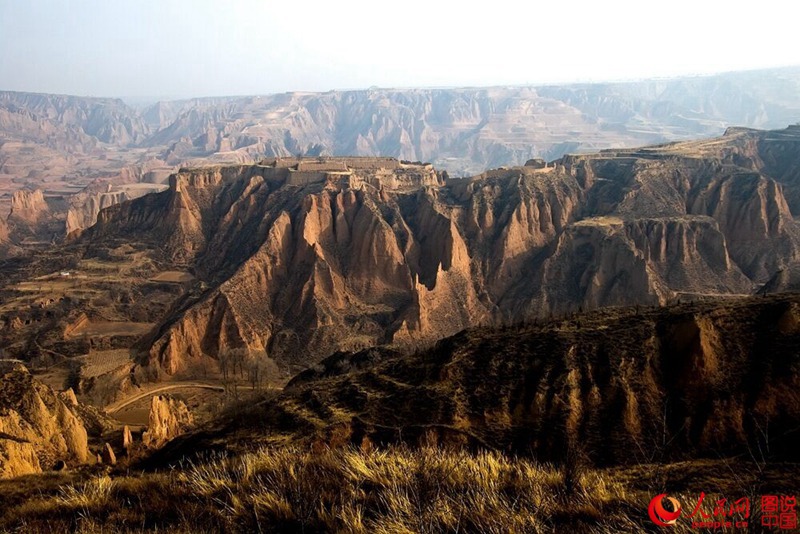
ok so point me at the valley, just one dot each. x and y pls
(413, 268)
(580, 318)
(282, 263)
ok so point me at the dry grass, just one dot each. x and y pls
(390, 491)
(289, 490)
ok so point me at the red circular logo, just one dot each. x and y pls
(660, 515)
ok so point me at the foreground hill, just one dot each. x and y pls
(301, 258)
(614, 386)
(279, 490)
(39, 428)
(491, 430)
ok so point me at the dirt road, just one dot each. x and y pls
(117, 406)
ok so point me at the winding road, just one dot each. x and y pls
(117, 406)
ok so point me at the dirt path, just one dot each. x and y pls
(41, 348)
(117, 406)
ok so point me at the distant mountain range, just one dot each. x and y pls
(463, 131)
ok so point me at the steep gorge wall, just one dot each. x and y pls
(304, 270)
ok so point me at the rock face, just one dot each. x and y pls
(37, 429)
(108, 456)
(84, 206)
(604, 259)
(28, 207)
(623, 386)
(303, 258)
(69, 398)
(168, 418)
(31, 217)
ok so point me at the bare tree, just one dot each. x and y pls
(261, 369)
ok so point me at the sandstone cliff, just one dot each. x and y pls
(37, 428)
(305, 257)
(28, 207)
(168, 419)
(85, 205)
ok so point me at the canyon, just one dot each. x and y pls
(602, 313)
(289, 260)
(301, 258)
(294, 259)
(509, 269)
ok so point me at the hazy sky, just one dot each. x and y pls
(200, 47)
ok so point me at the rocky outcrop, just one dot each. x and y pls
(127, 440)
(168, 419)
(751, 207)
(370, 252)
(37, 428)
(28, 207)
(69, 398)
(619, 386)
(602, 261)
(84, 206)
(108, 456)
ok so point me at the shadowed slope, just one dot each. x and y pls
(622, 386)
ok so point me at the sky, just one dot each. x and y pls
(187, 48)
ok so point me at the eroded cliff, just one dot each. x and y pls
(304, 257)
(38, 428)
(619, 386)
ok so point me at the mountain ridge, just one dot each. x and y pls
(627, 385)
(304, 263)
